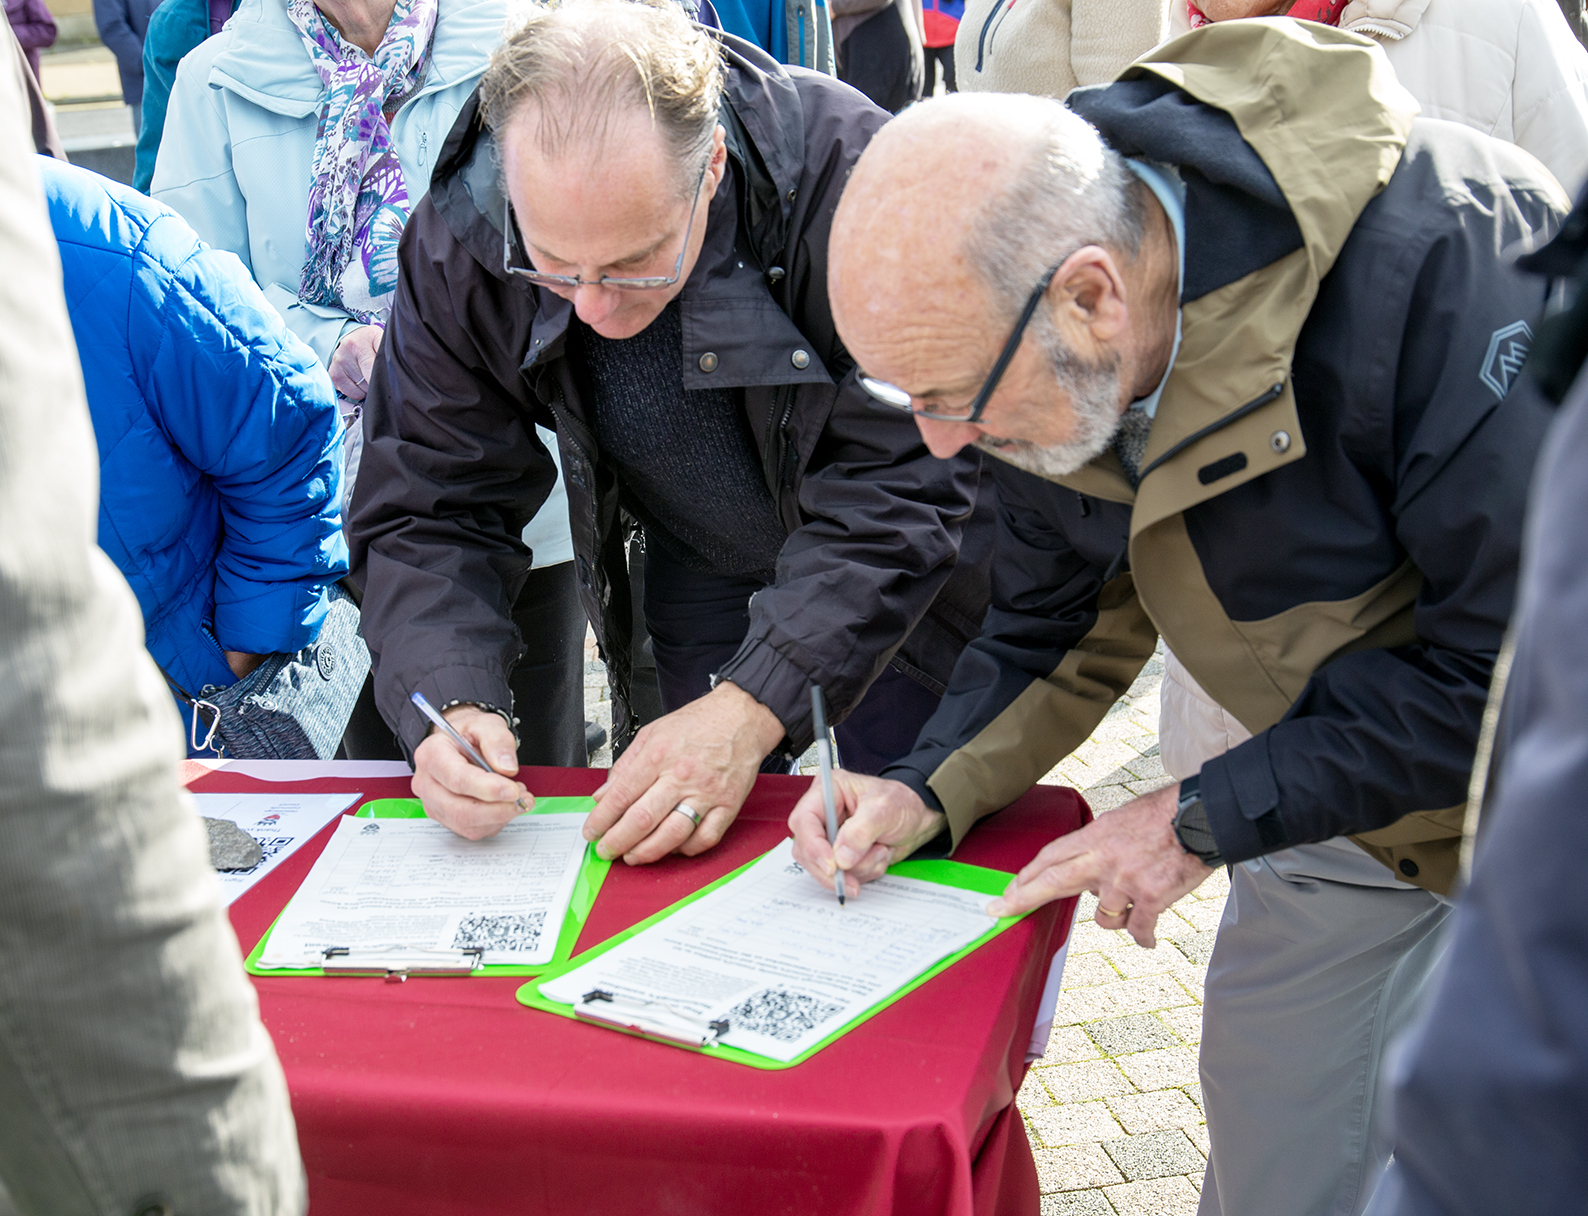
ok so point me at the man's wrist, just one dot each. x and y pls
(484, 707)
(766, 729)
(1191, 826)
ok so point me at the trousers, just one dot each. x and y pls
(697, 622)
(1321, 959)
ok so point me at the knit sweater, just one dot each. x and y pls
(685, 457)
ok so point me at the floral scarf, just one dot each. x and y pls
(358, 199)
(1326, 12)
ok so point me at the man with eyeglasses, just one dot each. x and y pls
(1240, 331)
(625, 240)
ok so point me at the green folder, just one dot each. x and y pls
(591, 875)
(947, 873)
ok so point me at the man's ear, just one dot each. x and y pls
(1088, 298)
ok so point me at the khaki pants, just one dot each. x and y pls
(1320, 961)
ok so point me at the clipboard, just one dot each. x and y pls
(664, 1025)
(592, 873)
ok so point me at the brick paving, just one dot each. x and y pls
(1114, 1108)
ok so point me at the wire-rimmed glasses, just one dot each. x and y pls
(570, 282)
(892, 394)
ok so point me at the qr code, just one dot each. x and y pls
(780, 1014)
(519, 932)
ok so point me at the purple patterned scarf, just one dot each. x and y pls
(358, 199)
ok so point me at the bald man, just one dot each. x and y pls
(1245, 357)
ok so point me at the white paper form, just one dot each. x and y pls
(281, 823)
(390, 885)
(774, 954)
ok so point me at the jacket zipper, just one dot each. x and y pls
(986, 28)
(1254, 403)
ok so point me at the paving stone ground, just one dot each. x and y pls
(1114, 1109)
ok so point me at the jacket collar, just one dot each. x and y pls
(266, 62)
(1323, 113)
(1390, 20)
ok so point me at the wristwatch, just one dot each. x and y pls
(1191, 825)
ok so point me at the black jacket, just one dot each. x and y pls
(1334, 556)
(452, 469)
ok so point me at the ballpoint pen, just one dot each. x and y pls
(422, 704)
(824, 756)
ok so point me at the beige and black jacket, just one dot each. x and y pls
(1327, 522)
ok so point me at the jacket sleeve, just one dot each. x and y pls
(1549, 102)
(1061, 643)
(451, 472)
(882, 520)
(246, 404)
(1380, 732)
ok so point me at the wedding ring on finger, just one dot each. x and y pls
(688, 812)
(1125, 911)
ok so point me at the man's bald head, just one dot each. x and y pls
(975, 193)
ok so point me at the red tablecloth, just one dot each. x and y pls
(446, 1096)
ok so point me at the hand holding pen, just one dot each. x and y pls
(463, 771)
(824, 757)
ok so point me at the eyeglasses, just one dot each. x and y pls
(570, 282)
(892, 394)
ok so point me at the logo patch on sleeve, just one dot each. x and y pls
(1508, 349)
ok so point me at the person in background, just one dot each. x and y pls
(122, 25)
(300, 138)
(1509, 68)
(34, 27)
(879, 49)
(46, 139)
(1048, 47)
(135, 1074)
(1490, 1085)
(940, 23)
(797, 34)
(175, 28)
(219, 442)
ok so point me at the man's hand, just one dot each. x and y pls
(1129, 858)
(705, 755)
(459, 793)
(880, 822)
(354, 359)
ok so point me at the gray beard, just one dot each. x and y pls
(1093, 390)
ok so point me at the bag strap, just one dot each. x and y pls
(199, 704)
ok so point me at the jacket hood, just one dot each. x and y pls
(761, 113)
(1265, 121)
(265, 61)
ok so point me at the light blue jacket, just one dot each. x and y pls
(239, 141)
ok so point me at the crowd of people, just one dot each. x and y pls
(945, 357)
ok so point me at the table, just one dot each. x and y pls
(445, 1096)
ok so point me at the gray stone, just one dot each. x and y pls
(231, 848)
(1076, 1203)
(1198, 947)
(1155, 1155)
(1139, 1032)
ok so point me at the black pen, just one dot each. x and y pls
(824, 757)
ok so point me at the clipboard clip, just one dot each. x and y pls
(652, 1019)
(396, 964)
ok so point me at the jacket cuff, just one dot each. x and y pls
(944, 842)
(779, 685)
(1241, 797)
(445, 686)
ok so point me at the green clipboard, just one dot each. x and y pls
(591, 875)
(947, 873)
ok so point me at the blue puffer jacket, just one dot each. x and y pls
(219, 458)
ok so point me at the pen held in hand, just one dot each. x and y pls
(422, 704)
(824, 757)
